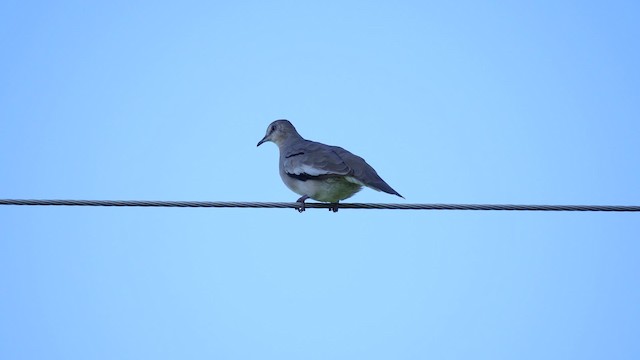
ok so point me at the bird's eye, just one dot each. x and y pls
(273, 128)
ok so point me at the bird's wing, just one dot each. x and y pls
(314, 160)
(363, 172)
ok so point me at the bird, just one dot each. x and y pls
(320, 172)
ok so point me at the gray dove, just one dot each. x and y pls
(321, 172)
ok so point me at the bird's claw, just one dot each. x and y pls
(302, 207)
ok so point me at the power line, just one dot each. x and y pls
(295, 205)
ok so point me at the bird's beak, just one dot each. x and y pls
(264, 139)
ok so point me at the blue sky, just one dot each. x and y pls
(452, 102)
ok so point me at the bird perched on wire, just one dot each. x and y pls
(318, 171)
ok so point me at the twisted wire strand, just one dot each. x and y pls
(295, 205)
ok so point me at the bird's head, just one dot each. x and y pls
(279, 131)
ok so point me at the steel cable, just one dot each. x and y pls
(311, 205)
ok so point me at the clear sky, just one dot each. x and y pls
(525, 102)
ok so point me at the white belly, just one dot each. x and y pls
(331, 189)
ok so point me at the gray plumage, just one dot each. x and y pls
(318, 171)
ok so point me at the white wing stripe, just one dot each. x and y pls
(309, 170)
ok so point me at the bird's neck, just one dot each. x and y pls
(291, 139)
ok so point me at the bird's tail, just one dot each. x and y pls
(381, 185)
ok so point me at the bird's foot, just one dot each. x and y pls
(334, 207)
(301, 208)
